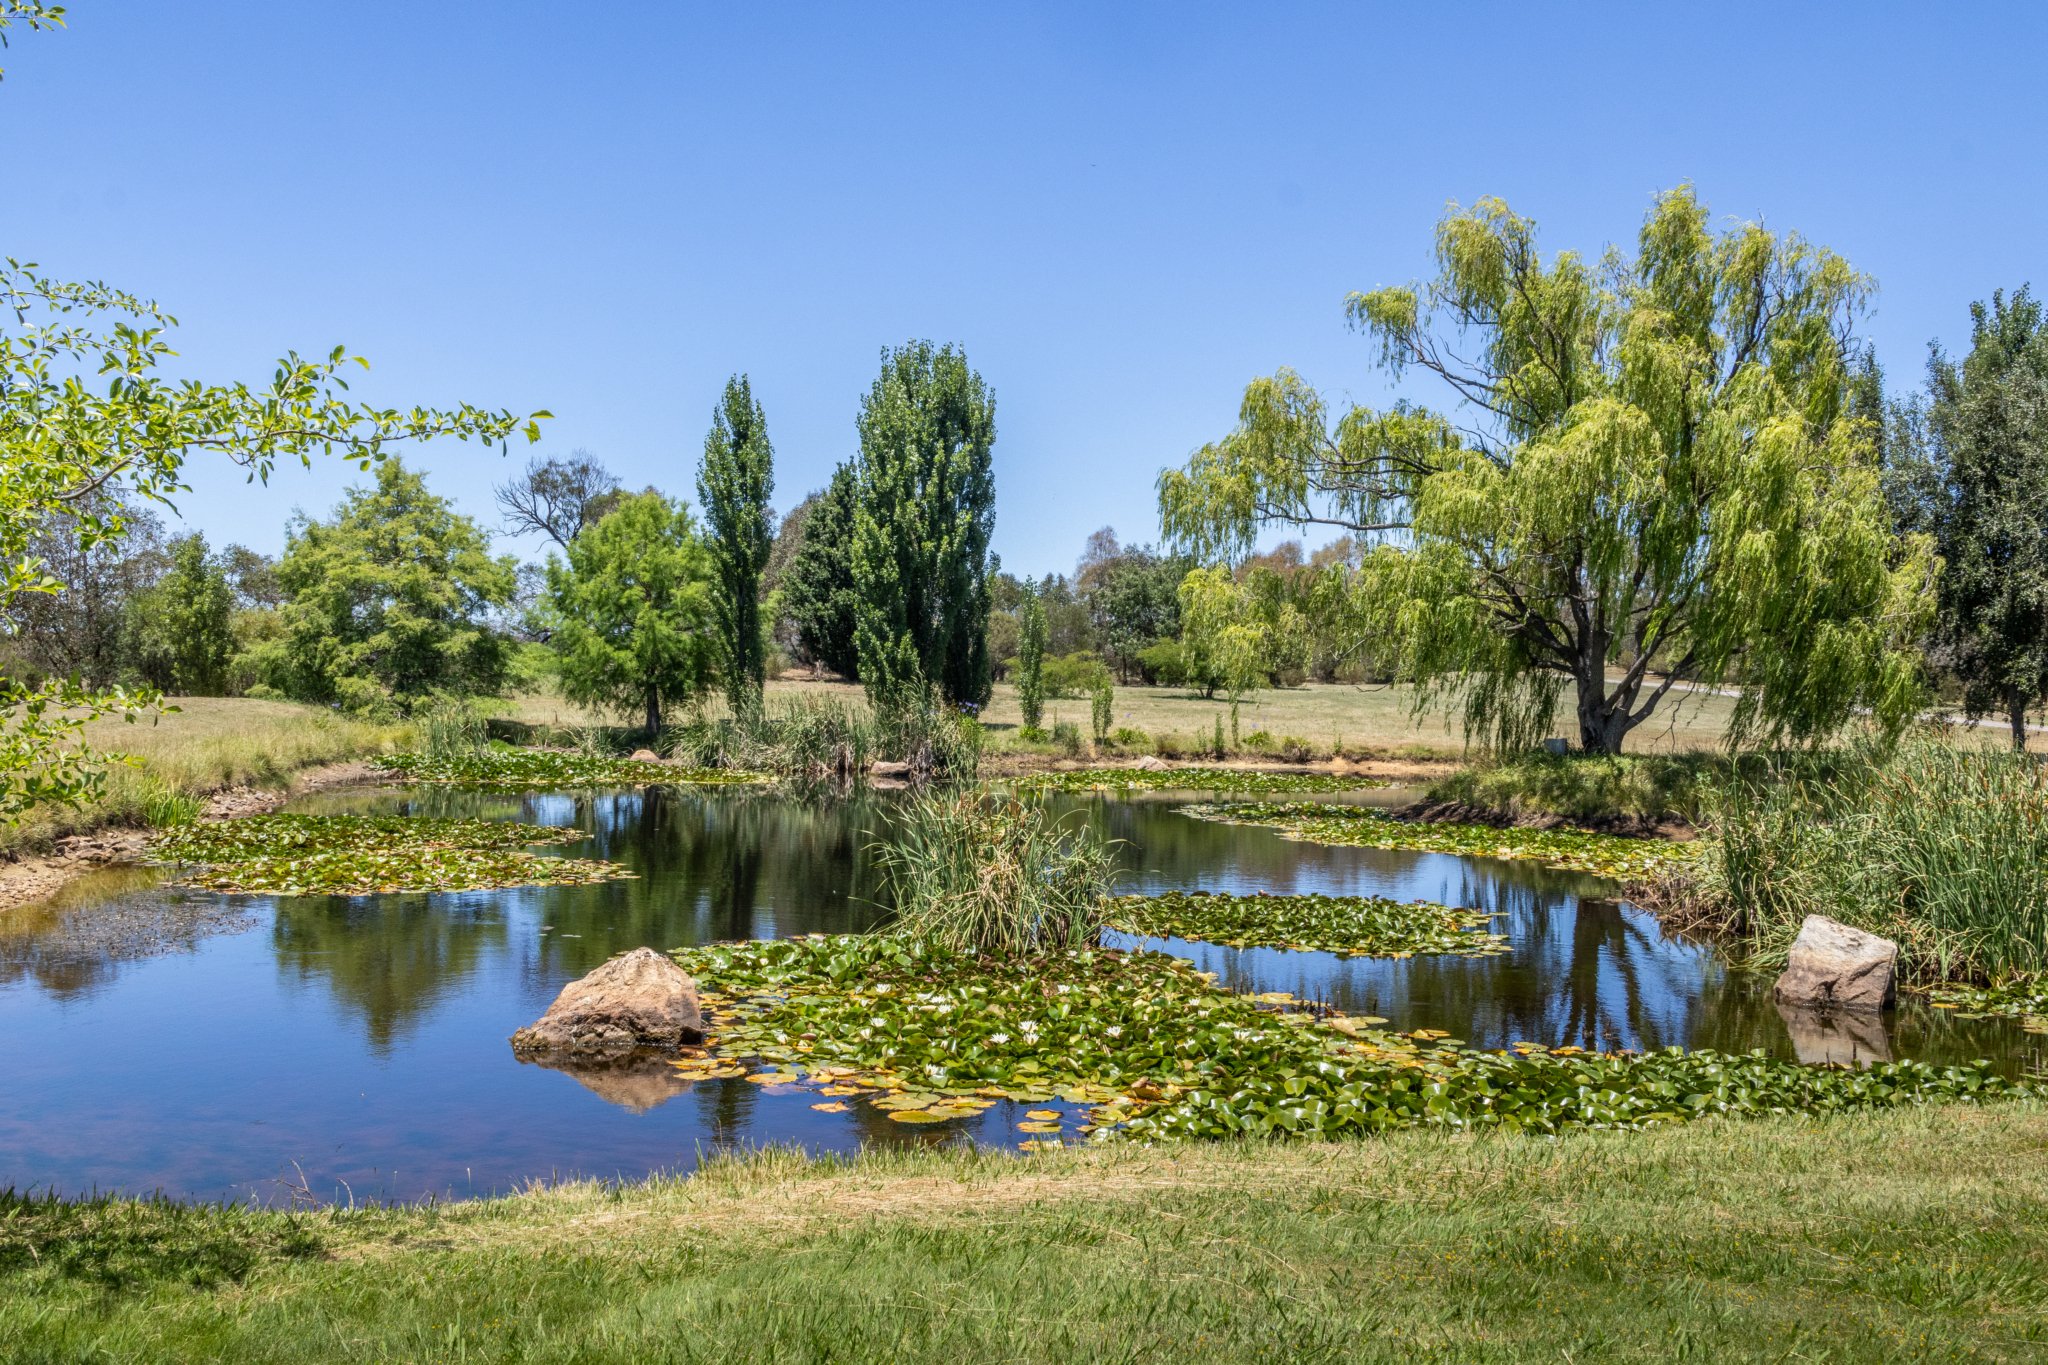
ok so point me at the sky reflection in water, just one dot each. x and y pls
(361, 1042)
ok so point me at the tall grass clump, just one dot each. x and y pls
(977, 873)
(1941, 847)
(451, 729)
(826, 736)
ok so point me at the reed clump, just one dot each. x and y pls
(977, 873)
(827, 736)
(1939, 846)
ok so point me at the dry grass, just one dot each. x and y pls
(209, 744)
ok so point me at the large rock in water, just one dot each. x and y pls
(640, 999)
(1152, 763)
(1834, 966)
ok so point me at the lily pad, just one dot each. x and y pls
(1353, 926)
(918, 1116)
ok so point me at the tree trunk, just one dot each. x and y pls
(653, 716)
(1602, 726)
(2016, 707)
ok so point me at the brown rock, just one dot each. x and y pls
(646, 756)
(640, 999)
(1834, 966)
(883, 767)
(1152, 763)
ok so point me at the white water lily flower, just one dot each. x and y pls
(878, 1023)
(999, 1038)
(1115, 1030)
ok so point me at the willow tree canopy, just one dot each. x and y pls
(1650, 476)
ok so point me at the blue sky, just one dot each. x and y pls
(1123, 212)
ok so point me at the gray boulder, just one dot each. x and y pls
(1152, 763)
(1832, 966)
(640, 999)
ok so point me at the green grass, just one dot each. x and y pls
(1908, 1236)
(1578, 786)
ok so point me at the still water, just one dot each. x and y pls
(355, 1047)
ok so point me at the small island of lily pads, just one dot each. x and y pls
(361, 855)
(1350, 926)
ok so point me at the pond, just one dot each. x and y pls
(344, 1048)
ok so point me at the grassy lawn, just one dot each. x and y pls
(1377, 719)
(1907, 1236)
(208, 744)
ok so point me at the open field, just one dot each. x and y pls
(1906, 1236)
(208, 744)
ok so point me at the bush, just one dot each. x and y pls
(1167, 745)
(1075, 676)
(1067, 736)
(1126, 738)
(1581, 786)
(980, 874)
(1294, 749)
(1260, 740)
(827, 736)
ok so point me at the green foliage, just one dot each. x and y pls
(1072, 676)
(1584, 786)
(819, 591)
(80, 410)
(923, 512)
(1102, 708)
(182, 630)
(1235, 780)
(1664, 445)
(981, 874)
(1174, 663)
(355, 855)
(1987, 448)
(452, 730)
(1350, 926)
(1031, 661)
(1941, 848)
(1199, 1062)
(546, 769)
(1604, 855)
(387, 602)
(734, 484)
(1125, 737)
(633, 611)
(164, 807)
(1067, 736)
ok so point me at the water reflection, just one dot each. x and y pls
(364, 1037)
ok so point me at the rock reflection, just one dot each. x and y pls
(1836, 1037)
(637, 1079)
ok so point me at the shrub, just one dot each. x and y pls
(1295, 750)
(1217, 745)
(1166, 745)
(1103, 707)
(1077, 675)
(1067, 736)
(450, 728)
(980, 874)
(1126, 738)
(825, 735)
(1260, 740)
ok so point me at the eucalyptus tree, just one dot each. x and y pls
(1986, 500)
(557, 498)
(924, 509)
(1653, 475)
(734, 484)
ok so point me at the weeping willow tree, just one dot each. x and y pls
(1650, 477)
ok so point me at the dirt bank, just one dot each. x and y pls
(28, 880)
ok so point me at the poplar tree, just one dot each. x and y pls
(819, 590)
(1655, 470)
(1031, 660)
(924, 509)
(734, 483)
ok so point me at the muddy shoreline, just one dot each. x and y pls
(29, 880)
